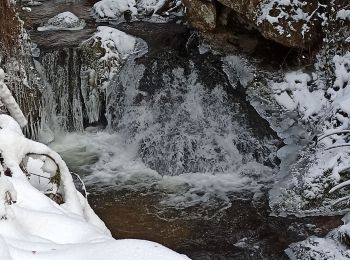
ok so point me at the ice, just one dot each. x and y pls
(237, 68)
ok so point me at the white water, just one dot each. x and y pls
(109, 163)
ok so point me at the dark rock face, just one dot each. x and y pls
(295, 24)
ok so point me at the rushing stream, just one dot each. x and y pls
(177, 154)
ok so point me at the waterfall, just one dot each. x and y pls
(182, 114)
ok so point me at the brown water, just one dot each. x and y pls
(243, 231)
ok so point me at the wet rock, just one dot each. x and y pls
(201, 14)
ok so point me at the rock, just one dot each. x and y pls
(290, 23)
(294, 25)
(201, 15)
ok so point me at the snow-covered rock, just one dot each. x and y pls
(116, 44)
(129, 10)
(63, 21)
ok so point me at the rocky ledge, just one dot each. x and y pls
(292, 23)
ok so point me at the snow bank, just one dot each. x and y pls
(294, 94)
(63, 21)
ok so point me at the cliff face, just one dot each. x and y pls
(294, 23)
(16, 60)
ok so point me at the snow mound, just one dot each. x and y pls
(63, 21)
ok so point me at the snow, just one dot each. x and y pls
(331, 247)
(293, 94)
(289, 11)
(320, 166)
(63, 21)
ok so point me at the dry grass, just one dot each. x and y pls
(9, 28)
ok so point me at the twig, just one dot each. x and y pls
(338, 146)
(333, 133)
